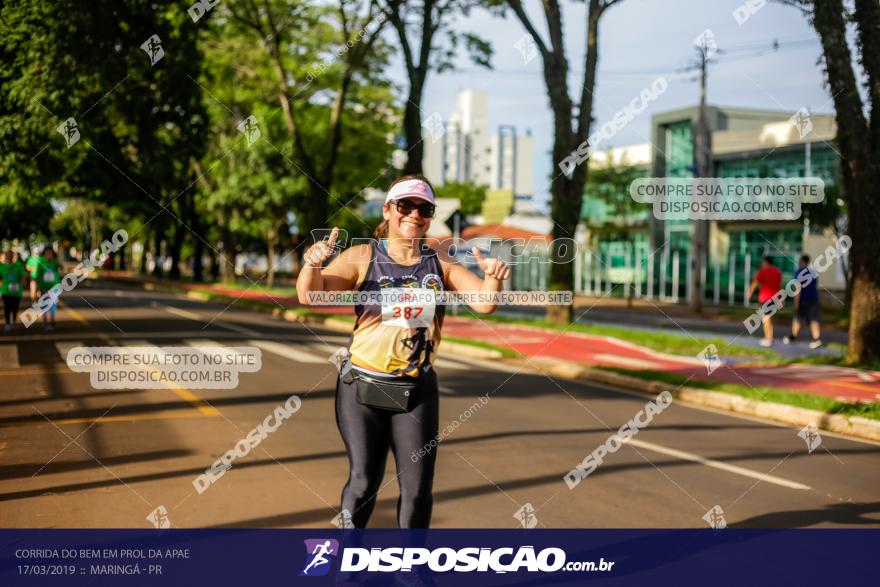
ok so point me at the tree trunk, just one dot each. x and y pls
(271, 241)
(143, 261)
(859, 143)
(157, 251)
(122, 252)
(227, 256)
(213, 265)
(412, 128)
(176, 246)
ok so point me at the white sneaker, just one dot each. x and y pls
(786, 340)
(814, 344)
(766, 343)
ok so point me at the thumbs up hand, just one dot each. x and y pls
(493, 268)
(321, 250)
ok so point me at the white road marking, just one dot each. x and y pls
(493, 365)
(202, 343)
(193, 316)
(446, 390)
(686, 456)
(182, 313)
(447, 364)
(236, 328)
(9, 356)
(288, 351)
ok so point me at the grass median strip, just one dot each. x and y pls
(505, 352)
(675, 344)
(769, 394)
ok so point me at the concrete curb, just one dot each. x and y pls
(783, 413)
(786, 414)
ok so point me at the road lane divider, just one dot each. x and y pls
(288, 351)
(720, 465)
(182, 313)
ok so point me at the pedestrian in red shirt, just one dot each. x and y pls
(769, 278)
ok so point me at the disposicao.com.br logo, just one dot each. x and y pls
(322, 552)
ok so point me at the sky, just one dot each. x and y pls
(639, 40)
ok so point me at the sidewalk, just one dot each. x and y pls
(845, 384)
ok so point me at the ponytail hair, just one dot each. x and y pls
(381, 230)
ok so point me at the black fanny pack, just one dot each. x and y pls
(397, 395)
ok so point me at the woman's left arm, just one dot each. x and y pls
(458, 278)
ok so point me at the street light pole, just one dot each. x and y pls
(702, 160)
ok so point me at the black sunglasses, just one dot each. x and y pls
(426, 210)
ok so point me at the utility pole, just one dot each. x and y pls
(702, 164)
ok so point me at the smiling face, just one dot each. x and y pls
(411, 226)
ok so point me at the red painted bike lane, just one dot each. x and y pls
(834, 382)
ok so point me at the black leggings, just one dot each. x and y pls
(368, 433)
(10, 308)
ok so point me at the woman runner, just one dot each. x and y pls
(393, 343)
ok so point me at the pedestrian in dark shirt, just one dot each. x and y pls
(806, 304)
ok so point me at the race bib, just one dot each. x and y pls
(49, 276)
(13, 287)
(408, 307)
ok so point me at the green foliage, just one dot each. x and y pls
(471, 195)
(609, 183)
(139, 123)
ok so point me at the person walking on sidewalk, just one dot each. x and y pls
(48, 275)
(806, 303)
(386, 393)
(12, 278)
(769, 279)
(33, 262)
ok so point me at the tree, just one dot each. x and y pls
(258, 191)
(424, 21)
(858, 137)
(609, 183)
(138, 118)
(294, 35)
(470, 195)
(571, 126)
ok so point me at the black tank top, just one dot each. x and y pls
(398, 339)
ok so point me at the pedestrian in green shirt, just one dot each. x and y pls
(12, 278)
(48, 275)
(31, 265)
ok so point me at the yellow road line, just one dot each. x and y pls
(203, 407)
(37, 371)
(76, 315)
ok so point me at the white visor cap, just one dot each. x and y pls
(411, 188)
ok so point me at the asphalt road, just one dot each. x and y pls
(75, 456)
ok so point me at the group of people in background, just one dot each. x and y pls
(768, 281)
(38, 274)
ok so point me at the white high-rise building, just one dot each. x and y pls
(461, 150)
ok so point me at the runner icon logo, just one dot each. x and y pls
(320, 554)
(715, 518)
(710, 358)
(526, 516)
(810, 434)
